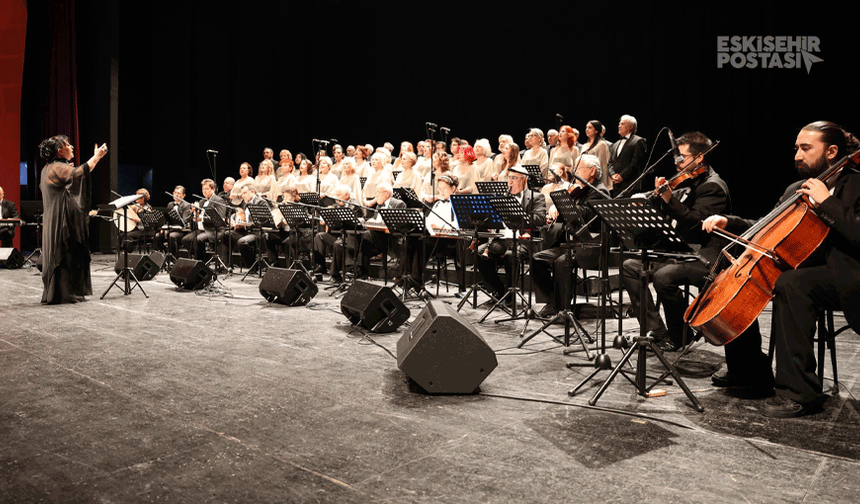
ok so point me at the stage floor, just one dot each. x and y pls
(220, 396)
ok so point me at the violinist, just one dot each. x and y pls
(827, 280)
(687, 204)
(550, 267)
(284, 238)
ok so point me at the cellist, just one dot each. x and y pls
(687, 204)
(828, 279)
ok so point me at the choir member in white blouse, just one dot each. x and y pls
(425, 158)
(510, 155)
(286, 159)
(565, 151)
(265, 180)
(328, 180)
(306, 180)
(535, 153)
(404, 148)
(441, 166)
(350, 178)
(246, 172)
(381, 175)
(466, 171)
(483, 161)
(408, 177)
(362, 166)
(500, 158)
(559, 179)
(337, 165)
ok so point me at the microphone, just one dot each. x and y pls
(675, 152)
(212, 151)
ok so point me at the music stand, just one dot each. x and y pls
(344, 219)
(514, 217)
(126, 273)
(640, 225)
(296, 217)
(492, 187)
(261, 217)
(406, 221)
(567, 209)
(475, 213)
(535, 181)
(408, 196)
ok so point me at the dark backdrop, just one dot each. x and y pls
(239, 76)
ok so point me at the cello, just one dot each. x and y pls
(780, 241)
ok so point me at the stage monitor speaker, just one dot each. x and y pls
(144, 267)
(443, 353)
(291, 287)
(11, 258)
(191, 274)
(373, 307)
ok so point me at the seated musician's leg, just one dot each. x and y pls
(630, 277)
(669, 281)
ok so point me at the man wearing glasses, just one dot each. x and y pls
(499, 250)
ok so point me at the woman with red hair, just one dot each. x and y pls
(466, 171)
(566, 148)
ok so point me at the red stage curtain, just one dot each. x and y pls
(13, 30)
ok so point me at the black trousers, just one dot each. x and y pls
(551, 272)
(669, 279)
(499, 251)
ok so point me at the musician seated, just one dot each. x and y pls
(283, 239)
(551, 267)
(242, 235)
(174, 236)
(8, 210)
(324, 240)
(499, 250)
(210, 224)
(133, 222)
(688, 205)
(373, 241)
(441, 218)
(348, 241)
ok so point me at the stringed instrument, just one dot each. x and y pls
(780, 241)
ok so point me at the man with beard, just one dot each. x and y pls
(827, 280)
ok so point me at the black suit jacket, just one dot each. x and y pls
(629, 162)
(10, 211)
(554, 235)
(841, 248)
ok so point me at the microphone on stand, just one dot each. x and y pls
(210, 151)
(675, 152)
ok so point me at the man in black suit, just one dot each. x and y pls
(550, 267)
(827, 280)
(688, 204)
(627, 156)
(8, 210)
(347, 240)
(210, 224)
(499, 250)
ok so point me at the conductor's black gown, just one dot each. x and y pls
(65, 255)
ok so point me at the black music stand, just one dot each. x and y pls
(261, 217)
(569, 212)
(475, 213)
(214, 218)
(492, 187)
(406, 221)
(640, 225)
(535, 181)
(126, 273)
(408, 196)
(296, 217)
(345, 220)
(514, 217)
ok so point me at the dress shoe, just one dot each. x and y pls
(337, 279)
(783, 407)
(549, 310)
(667, 345)
(744, 389)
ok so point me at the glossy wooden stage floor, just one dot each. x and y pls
(223, 397)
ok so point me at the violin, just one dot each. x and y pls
(680, 177)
